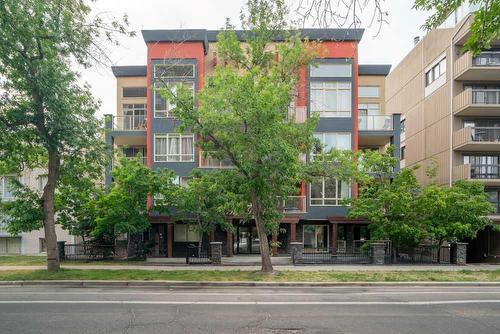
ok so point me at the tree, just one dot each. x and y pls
(124, 209)
(46, 116)
(454, 213)
(242, 115)
(485, 27)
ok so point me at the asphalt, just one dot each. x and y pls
(346, 309)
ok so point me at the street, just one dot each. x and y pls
(342, 309)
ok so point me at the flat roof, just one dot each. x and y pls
(129, 71)
(382, 70)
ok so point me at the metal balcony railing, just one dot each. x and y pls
(129, 123)
(485, 134)
(294, 204)
(487, 58)
(486, 96)
(375, 123)
(485, 172)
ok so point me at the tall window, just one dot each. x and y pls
(328, 192)
(185, 233)
(368, 109)
(330, 141)
(174, 147)
(331, 99)
(403, 152)
(326, 70)
(6, 187)
(435, 72)
(163, 108)
(369, 91)
(134, 116)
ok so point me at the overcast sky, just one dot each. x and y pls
(389, 47)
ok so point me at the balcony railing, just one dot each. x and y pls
(129, 123)
(485, 96)
(375, 123)
(485, 134)
(206, 161)
(485, 172)
(142, 159)
(294, 204)
(487, 58)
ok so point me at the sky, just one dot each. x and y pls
(389, 46)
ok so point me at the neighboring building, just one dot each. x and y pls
(450, 105)
(31, 243)
(143, 125)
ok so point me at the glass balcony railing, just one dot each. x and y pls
(485, 172)
(486, 96)
(207, 161)
(375, 123)
(129, 123)
(487, 58)
(294, 204)
(485, 134)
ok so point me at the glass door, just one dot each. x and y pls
(316, 237)
(247, 241)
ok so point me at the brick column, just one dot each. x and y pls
(377, 253)
(458, 253)
(170, 239)
(216, 252)
(275, 239)
(293, 232)
(335, 237)
(229, 239)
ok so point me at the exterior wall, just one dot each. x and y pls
(122, 82)
(374, 80)
(426, 112)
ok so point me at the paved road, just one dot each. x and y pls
(251, 310)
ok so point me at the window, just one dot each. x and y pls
(328, 192)
(186, 233)
(403, 152)
(369, 91)
(369, 109)
(134, 92)
(181, 181)
(6, 187)
(163, 107)
(331, 99)
(174, 71)
(42, 245)
(330, 71)
(330, 141)
(316, 237)
(435, 72)
(174, 147)
(403, 126)
(134, 116)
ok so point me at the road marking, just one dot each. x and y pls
(136, 302)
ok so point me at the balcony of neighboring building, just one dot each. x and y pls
(487, 173)
(127, 129)
(477, 102)
(484, 67)
(208, 161)
(477, 139)
(378, 130)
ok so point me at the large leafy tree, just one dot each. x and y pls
(46, 116)
(242, 115)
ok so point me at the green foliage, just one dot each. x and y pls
(484, 29)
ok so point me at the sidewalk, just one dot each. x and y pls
(346, 268)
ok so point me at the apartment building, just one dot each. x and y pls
(450, 106)
(350, 99)
(30, 243)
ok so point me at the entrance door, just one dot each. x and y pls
(316, 237)
(247, 241)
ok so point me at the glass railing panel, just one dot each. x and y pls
(375, 123)
(487, 58)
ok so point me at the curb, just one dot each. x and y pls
(123, 284)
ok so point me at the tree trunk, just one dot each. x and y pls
(49, 212)
(265, 255)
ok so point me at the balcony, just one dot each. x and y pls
(484, 67)
(375, 123)
(129, 123)
(489, 174)
(294, 204)
(477, 102)
(206, 161)
(477, 139)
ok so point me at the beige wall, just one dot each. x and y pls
(427, 136)
(374, 80)
(128, 82)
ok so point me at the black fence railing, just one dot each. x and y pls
(485, 134)
(422, 255)
(88, 252)
(197, 255)
(329, 256)
(485, 171)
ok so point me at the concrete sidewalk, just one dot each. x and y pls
(471, 267)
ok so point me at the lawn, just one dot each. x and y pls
(33, 260)
(236, 275)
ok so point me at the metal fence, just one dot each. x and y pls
(88, 252)
(330, 256)
(422, 255)
(197, 255)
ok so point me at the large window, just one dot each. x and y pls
(435, 72)
(186, 233)
(330, 141)
(134, 91)
(330, 71)
(369, 109)
(174, 71)
(316, 237)
(331, 99)
(163, 108)
(6, 187)
(369, 91)
(328, 192)
(134, 116)
(174, 147)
